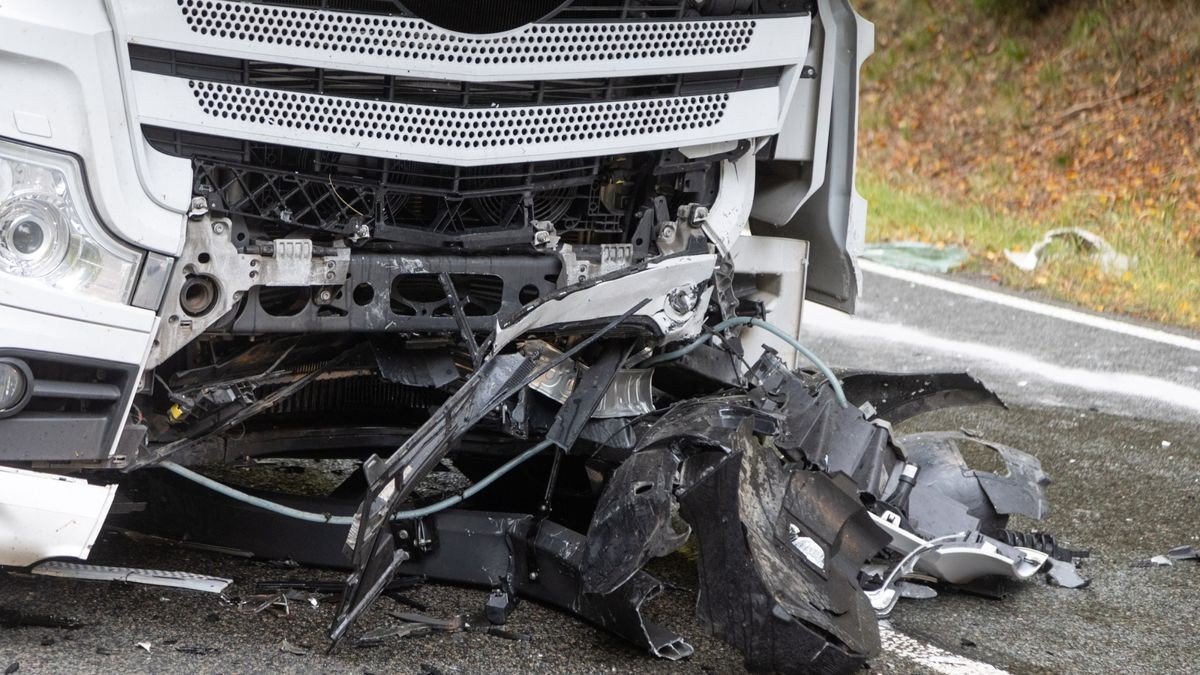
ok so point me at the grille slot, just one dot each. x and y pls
(270, 184)
(394, 89)
(415, 39)
(356, 396)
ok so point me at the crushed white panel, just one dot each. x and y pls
(938, 660)
(416, 48)
(185, 580)
(47, 516)
(467, 136)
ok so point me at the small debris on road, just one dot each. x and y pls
(1184, 553)
(15, 618)
(197, 650)
(289, 648)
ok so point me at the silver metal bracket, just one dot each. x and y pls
(210, 255)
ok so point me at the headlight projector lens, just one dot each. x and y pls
(33, 237)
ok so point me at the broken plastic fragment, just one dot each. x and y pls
(289, 648)
(1110, 260)
(185, 580)
(1184, 553)
(917, 256)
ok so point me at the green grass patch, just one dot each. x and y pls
(1162, 285)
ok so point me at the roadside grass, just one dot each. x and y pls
(1162, 284)
(987, 123)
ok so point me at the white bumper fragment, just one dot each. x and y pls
(47, 516)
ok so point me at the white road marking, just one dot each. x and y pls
(824, 320)
(1026, 305)
(934, 658)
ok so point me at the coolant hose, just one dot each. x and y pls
(309, 516)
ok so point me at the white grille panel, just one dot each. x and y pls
(454, 135)
(414, 39)
(455, 127)
(415, 48)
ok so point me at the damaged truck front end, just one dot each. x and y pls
(550, 255)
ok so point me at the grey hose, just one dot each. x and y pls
(770, 328)
(309, 516)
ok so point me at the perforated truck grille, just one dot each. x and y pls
(413, 39)
(452, 127)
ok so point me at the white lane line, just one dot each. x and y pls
(934, 658)
(822, 319)
(1026, 305)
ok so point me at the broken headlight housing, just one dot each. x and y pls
(48, 231)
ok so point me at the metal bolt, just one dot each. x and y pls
(680, 300)
(533, 576)
(325, 295)
(403, 534)
(667, 233)
(197, 208)
(218, 228)
(329, 276)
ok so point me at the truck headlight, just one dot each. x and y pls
(48, 231)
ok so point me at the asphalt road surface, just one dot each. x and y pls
(1114, 416)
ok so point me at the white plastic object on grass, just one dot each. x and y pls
(1110, 260)
(47, 516)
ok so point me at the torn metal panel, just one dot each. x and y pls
(897, 397)
(49, 516)
(590, 390)
(631, 394)
(763, 586)
(167, 578)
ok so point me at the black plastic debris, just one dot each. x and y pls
(1184, 553)
(497, 608)
(15, 618)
